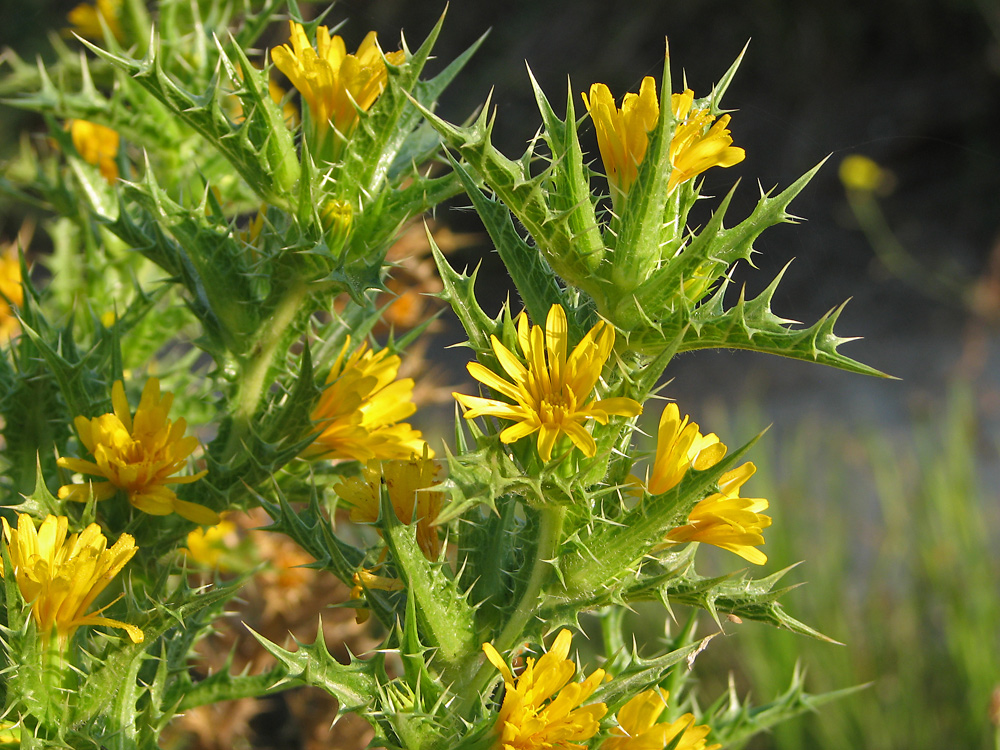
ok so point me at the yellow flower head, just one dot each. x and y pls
(551, 393)
(680, 446)
(96, 145)
(86, 19)
(334, 84)
(622, 134)
(863, 175)
(407, 483)
(11, 293)
(693, 149)
(61, 577)
(207, 546)
(727, 520)
(540, 710)
(638, 729)
(359, 412)
(138, 455)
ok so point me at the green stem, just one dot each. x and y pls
(549, 537)
(255, 367)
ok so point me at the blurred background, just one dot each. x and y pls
(886, 489)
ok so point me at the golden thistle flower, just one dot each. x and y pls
(335, 85)
(407, 483)
(680, 446)
(552, 393)
(638, 729)
(96, 145)
(533, 716)
(727, 520)
(138, 455)
(86, 19)
(622, 134)
(11, 293)
(61, 577)
(692, 149)
(359, 412)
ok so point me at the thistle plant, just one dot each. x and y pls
(218, 261)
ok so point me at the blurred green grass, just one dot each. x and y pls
(899, 531)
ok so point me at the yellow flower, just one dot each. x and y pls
(638, 730)
(96, 145)
(680, 446)
(138, 455)
(11, 293)
(407, 483)
(692, 149)
(552, 393)
(863, 175)
(61, 577)
(622, 134)
(86, 19)
(334, 84)
(359, 411)
(727, 520)
(533, 716)
(207, 546)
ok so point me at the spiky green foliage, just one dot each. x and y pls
(646, 272)
(176, 271)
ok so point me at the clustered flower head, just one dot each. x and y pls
(138, 455)
(638, 728)
(726, 520)
(680, 446)
(97, 145)
(358, 414)
(334, 84)
(549, 393)
(623, 135)
(540, 710)
(408, 485)
(61, 576)
(11, 294)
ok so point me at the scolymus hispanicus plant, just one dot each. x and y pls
(204, 343)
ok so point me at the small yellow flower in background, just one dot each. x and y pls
(552, 393)
(207, 546)
(139, 455)
(359, 412)
(863, 175)
(61, 577)
(540, 710)
(96, 145)
(680, 446)
(86, 19)
(638, 728)
(692, 149)
(622, 134)
(334, 84)
(407, 483)
(11, 293)
(727, 520)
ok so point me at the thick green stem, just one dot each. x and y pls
(549, 537)
(256, 365)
